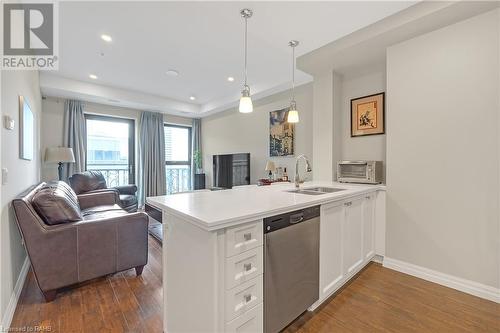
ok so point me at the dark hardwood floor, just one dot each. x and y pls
(377, 300)
(118, 303)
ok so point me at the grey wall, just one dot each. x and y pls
(443, 150)
(22, 173)
(232, 132)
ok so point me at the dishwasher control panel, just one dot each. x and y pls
(286, 219)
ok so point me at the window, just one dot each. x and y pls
(110, 148)
(178, 158)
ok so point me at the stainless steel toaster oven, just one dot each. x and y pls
(364, 172)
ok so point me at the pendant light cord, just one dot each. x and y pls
(293, 73)
(246, 32)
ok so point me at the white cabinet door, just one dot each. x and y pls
(353, 236)
(331, 275)
(369, 226)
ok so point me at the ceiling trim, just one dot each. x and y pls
(56, 86)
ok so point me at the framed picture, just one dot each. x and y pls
(281, 134)
(368, 115)
(27, 129)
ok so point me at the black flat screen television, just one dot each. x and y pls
(231, 170)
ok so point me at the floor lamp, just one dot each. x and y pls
(59, 155)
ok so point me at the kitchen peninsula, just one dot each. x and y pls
(213, 253)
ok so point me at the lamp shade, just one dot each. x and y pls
(270, 166)
(59, 154)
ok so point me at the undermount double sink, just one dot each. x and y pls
(318, 190)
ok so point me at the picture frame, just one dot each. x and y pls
(368, 115)
(281, 134)
(26, 130)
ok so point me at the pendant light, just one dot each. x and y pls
(246, 105)
(293, 114)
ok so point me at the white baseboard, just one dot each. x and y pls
(14, 298)
(466, 286)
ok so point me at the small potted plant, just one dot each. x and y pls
(199, 176)
(197, 162)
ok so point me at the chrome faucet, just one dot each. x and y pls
(297, 179)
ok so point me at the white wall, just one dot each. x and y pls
(22, 173)
(443, 150)
(323, 133)
(233, 132)
(52, 125)
(370, 147)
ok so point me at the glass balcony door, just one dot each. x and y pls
(110, 148)
(178, 158)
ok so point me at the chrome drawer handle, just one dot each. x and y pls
(367, 197)
(247, 237)
(348, 203)
(248, 298)
(247, 267)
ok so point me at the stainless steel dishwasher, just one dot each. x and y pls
(291, 266)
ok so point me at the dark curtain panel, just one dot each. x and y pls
(75, 132)
(151, 180)
(195, 147)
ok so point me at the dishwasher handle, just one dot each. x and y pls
(296, 218)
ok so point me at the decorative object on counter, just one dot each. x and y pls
(281, 134)
(285, 176)
(278, 173)
(368, 115)
(271, 168)
(27, 128)
(265, 181)
(59, 155)
(246, 105)
(293, 114)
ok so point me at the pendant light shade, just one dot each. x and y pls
(293, 114)
(246, 105)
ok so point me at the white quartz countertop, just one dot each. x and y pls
(213, 210)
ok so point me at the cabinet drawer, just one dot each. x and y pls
(243, 297)
(243, 237)
(251, 322)
(243, 267)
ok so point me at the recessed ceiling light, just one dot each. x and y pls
(172, 72)
(192, 98)
(93, 76)
(106, 38)
(230, 78)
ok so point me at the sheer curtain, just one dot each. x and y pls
(195, 147)
(152, 180)
(75, 132)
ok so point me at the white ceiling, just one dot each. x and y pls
(203, 41)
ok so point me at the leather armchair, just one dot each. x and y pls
(88, 236)
(92, 181)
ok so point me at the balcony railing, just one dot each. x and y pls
(115, 175)
(178, 178)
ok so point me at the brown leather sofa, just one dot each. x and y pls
(71, 239)
(93, 180)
